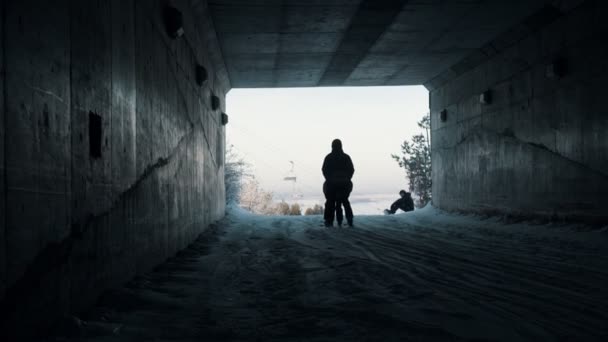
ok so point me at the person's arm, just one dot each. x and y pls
(410, 204)
(324, 168)
(351, 168)
(400, 203)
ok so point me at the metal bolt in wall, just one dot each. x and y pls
(95, 135)
(215, 102)
(485, 97)
(201, 74)
(174, 22)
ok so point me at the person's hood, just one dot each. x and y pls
(336, 145)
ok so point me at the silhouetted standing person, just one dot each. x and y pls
(338, 171)
(405, 203)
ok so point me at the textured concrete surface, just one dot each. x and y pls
(76, 223)
(297, 43)
(540, 147)
(2, 165)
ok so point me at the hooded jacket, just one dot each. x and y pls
(337, 166)
(405, 203)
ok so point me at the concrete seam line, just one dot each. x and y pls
(390, 10)
(477, 131)
(148, 171)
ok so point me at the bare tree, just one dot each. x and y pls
(295, 210)
(282, 208)
(255, 199)
(242, 188)
(236, 172)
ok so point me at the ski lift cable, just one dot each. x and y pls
(306, 185)
(270, 147)
(267, 146)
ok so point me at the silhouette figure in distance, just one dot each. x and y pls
(338, 171)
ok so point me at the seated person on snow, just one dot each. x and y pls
(405, 203)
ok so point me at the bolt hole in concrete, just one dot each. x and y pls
(95, 135)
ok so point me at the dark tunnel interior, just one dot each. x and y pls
(113, 215)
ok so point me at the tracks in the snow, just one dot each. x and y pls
(405, 277)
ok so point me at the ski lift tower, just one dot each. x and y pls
(291, 177)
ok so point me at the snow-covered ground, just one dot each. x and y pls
(362, 204)
(420, 276)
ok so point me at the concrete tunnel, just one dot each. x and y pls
(112, 126)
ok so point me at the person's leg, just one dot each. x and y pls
(339, 195)
(393, 209)
(326, 210)
(339, 216)
(330, 202)
(348, 211)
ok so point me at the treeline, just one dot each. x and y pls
(259, 201)
(244, 190)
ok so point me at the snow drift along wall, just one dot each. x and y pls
(539, 145)
(111, 156)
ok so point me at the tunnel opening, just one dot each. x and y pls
(280, 137)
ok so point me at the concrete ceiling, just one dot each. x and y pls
(300, 43)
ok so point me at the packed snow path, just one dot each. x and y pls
(422, 276)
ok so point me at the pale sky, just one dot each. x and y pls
(270, 127)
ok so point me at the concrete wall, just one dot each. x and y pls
(74, 224)
(541, 146)
(2, 168)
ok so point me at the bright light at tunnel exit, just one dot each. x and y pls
(269, 128)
